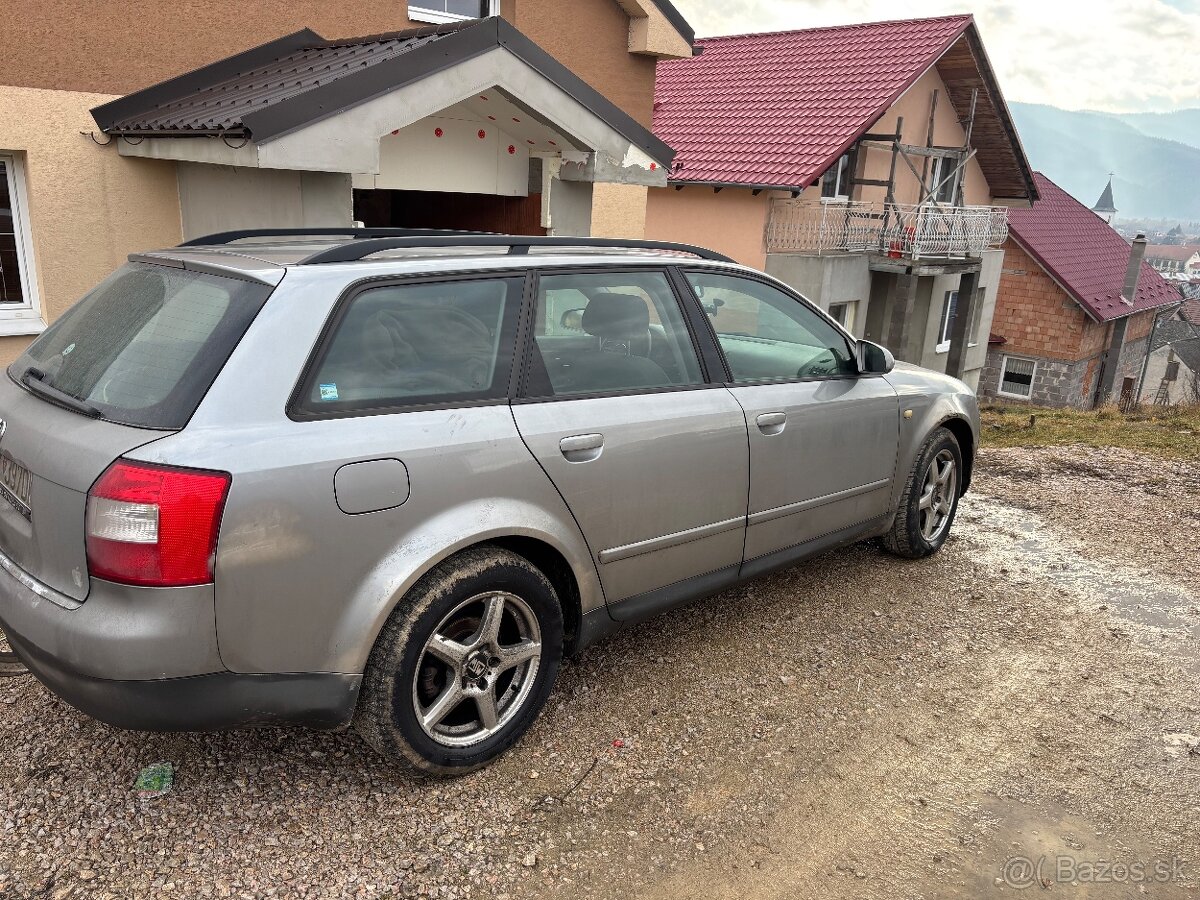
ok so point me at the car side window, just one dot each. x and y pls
(598, 332)
(406, 344)
(768, 335)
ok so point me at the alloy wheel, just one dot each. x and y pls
(477, 669)
(937, 495)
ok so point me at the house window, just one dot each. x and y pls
(944, 191)
(946, 323)
(1016, 377)
(442, 11)
(19, 307)
(843, 314)
(835, 183)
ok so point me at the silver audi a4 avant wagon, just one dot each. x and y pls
(389, 478)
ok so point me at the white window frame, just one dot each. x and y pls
(21, 318)
(940, 164)
(944, 342)
(851, 309)
(1004, 360)
(841, 180)
(437, 17)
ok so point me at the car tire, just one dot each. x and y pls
(443, 690)
(10, 664)
(930, 499)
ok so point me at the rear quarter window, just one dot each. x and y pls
(145, 346)
(415, 344)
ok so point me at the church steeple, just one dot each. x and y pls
(1104, 207)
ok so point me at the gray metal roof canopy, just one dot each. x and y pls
(279, 87)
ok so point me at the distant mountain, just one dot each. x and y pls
(1183, 125)
(1154, 177)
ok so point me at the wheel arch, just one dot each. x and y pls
(557, 569)
(567, 564)
(961, 429)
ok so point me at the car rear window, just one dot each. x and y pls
(144, 346)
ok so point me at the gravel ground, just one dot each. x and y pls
(855, 727)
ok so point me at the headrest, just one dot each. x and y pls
(619, 317)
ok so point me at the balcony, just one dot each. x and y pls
(896, 230)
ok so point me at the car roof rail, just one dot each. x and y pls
(517, 245)
(228, 237)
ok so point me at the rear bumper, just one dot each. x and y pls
(147, 659)
(212, 702)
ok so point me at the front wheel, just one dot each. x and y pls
(930, 498)
(9, 663)
(464, 664)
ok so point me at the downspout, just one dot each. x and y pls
(1146, 359)
(1112, 356)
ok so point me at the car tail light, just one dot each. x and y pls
(154, 526)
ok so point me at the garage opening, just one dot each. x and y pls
(441, 209)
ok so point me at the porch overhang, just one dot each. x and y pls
(302, 103)
(923, 267)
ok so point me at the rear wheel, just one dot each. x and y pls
(464, 664)
(930, 498)
(9, 664)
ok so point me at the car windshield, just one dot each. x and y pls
(144, 347)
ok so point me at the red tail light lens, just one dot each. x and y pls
(154, 526)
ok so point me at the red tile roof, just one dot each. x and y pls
(1080, 251)
(1191, 312)
(1175, 252)
(777, 109)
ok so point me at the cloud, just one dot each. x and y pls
(1112, 55)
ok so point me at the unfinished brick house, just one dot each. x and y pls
(1068, 330)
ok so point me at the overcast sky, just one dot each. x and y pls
(1113, 55)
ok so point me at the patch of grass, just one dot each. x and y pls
(1172, 432)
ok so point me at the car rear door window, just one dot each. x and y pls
(600, 332)
(144, 347)
(412, 344)
(768, 335)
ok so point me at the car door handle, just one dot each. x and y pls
(581, 447)
(772, 422)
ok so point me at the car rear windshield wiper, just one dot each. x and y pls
(34, 379)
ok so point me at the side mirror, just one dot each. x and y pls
(874, 359)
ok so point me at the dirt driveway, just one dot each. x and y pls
(1017, 715)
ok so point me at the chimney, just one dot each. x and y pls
(1136, 254)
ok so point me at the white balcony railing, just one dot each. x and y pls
(894, 229)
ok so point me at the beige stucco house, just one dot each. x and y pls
(140, 127)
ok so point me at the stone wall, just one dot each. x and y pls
(1056, 382)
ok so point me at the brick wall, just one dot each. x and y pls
(1036, 316)
(1096, 336)
(1140, 325)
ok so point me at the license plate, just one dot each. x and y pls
(16, 484)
